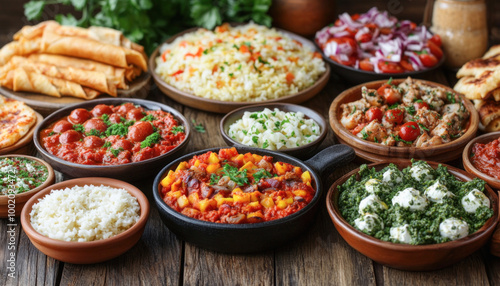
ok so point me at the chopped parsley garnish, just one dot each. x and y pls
(105, 118)
(177, 129)
(115, 152)
(107, 144)
(78, 127)
(199, 128)
(266, 144)
(214, 179)
(255, 139)
(262, 173)
(353, 110)
(148, 117)
(51, 133)
(451, 97)
(222, 68)
(397, 138)
(239, 177)
(255, 67)
(151, 140)
(365, 135)
(423, 127)
(117, 129)
(239, 67)
(254, 115)
(389, 81)
(262, 61)
(410, 109)
(94, 132)
(244, 132)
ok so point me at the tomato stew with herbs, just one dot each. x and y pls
(112, 135)
(486, 158)
(228, 187)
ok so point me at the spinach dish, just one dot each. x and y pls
(416, 205)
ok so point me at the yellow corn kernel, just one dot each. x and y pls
(241, 198)
(237, 190)
(169, 179)
(176, 185)
(248, 165)
(213, 158)
(175, 195)
(289, 200)
(255, 196)
(282, 204)
(212, 168)
(267, 202)
(197, 163)
(182, 166)
(256, 158)
(182, 201)
(280, 168)
(300, 193)
(306, 177)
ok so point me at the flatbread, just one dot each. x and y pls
(479, 87)
(478, 66)
(493, 52)
(16, 119)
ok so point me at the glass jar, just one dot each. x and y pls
(463, 29)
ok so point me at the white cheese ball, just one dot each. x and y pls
(373, 185)
(453, 228)
(368, 222)
(371, 203)
(437, 192)
(410, 198)
(473, 200)
(421, 172)
(401, 233)
(392, 177)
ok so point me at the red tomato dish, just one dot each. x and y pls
(228, 187)
(377, 42)
(112, 135)
(486, 158)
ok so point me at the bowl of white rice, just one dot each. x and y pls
(235, 66)
(86, 220)
(289, 128)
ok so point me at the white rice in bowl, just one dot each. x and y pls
(243, 63)
(274, 129)
(85, 213)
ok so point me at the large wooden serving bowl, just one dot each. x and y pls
(220, 106)
(376, 152)
(411, 257)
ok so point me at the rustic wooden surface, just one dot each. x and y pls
(318, 257)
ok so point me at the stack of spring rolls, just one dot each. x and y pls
(70, 61)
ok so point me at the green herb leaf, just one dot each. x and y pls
(177, 129)
(198, 127)
(33, 9)
(148, 117)
(115, 152)
(117, 129)
(262, 173)
(79, 127)
(214, 179)
(239, 177)
(151, 140)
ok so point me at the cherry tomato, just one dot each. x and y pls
(374, 113)
(343, 40)
(392, 95)
(435, 50)
(428, 60)
(381, 90)
(364, 38)
(358, 128)
(420, 105)
(355, 17)
(405, 63)
(366, 65)
(394, 115)
(436, 39)
(413, 26)
(409, 131)
(390, 67)
(350, 62)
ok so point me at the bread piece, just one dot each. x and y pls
(488, 110)
(479, 87)
(16, 119)
(478, 66)
(493, 52)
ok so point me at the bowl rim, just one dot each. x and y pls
(468, 163)
(67, 245)
(282, 107)
(339, 221)
(373, 147)
(159, 81)
(46, 183)
(370, 73)
(142, 102)
(237, 227)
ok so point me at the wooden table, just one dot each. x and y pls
(318, 257)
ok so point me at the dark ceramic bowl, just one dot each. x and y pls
(358, 76)
(301, 152)
(411, 257)
(89, 251)
(127, 172)
(247, 238)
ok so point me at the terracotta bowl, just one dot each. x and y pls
(486, 138)
(21, 199)
(301, 152)
(256, 237)
(411, 257)
(92, 251)
(25, 144)
(220, 106)
(375, 152)
(128, 172)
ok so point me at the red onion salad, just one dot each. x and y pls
(376, 41)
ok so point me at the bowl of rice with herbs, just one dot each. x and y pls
(86, 220)
(236, 66)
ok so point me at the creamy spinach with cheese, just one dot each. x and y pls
(416, 205)
(19, 175)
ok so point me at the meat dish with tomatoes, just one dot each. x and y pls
(112, 135)
(410, 114)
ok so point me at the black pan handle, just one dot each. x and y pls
(331, 157)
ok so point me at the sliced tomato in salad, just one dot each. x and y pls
(428, 60)
(390, 67)
(435, 49)
(366, 65)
